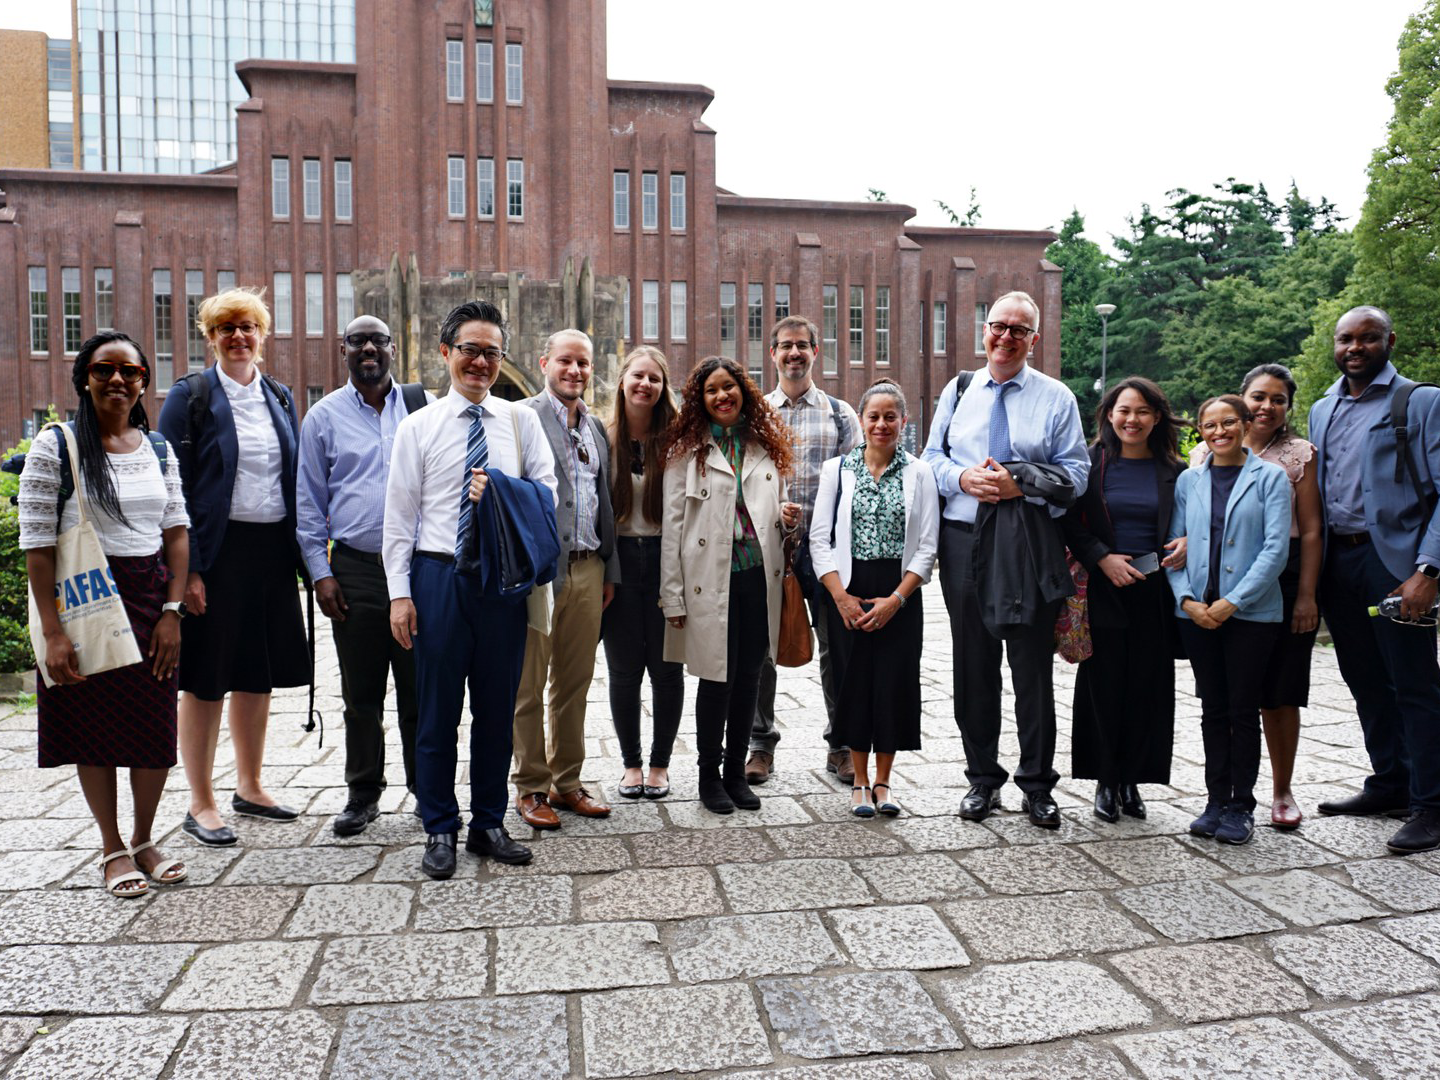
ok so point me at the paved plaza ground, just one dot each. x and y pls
(795, 942)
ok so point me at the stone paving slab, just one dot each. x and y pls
(590, 956)
(677, 1029)
(1353, 962)
(1419, 932)
(415, 967)
(863, 1069)
(272, 1045)
(1398, 1039)
(910, 937)
(1039, 869)
(710, 848)
(836, 1016)
(1270, 850)
(1305, 898)
(248, 975)
(773, 811)
(569, 855)
(1006, 1004)
(196, 914)
(1263, 1047)
(302, 866)
(749, 946)
(1398, 884)
(914, 879)
(88, 979)
(351, 910)
(1196, 910)
(1075, 1061)
(471, 905)
(1153, 859)
(853, 839)
(675, 893)
(1210, 981)
(792, 884)
(55, 917)
(135, 1047)
(1043, 927)
(36, 869)
(1352, 837)
(942, 833)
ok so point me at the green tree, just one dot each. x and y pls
(971, 216)
(1088, 273)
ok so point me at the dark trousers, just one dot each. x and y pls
(368, 653)
(463, 638)
(633, 629)
(1230, 665)
(1031, 653)
(724, 710)
(763, 733)
(1391, 671)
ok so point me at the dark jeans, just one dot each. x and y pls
(368, 653)
(1391, 671)
(724, 710)
(1230, 665)
(634, 634)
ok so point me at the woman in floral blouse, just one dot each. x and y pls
(872, 540)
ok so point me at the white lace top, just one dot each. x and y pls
(151, 502)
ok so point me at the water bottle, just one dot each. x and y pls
(1390, 609)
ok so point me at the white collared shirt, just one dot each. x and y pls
(427, 474)
(257, 495)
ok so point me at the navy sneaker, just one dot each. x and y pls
(1206, 824)
(1236, 827)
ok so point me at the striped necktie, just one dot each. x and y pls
(1000, 448)
(477, 456)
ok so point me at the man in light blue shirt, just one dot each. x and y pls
(345, 447)
(1010, 412)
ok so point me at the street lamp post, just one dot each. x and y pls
(1104, 311)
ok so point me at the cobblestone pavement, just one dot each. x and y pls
(794, 942)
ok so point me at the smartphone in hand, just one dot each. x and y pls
(1146, 564)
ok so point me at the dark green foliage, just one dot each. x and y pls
(15, 654)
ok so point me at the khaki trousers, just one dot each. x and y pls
(551, 761)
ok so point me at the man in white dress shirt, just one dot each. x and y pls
(460, 635)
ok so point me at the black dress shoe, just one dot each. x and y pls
(1131, 803)
(496, 843)
(979, 803)
(352, 820)
(224, 836)
(1420, 833)
(1106, 808)
(1041, 807)
(1365, 804)
(439, 860)
(271, 813)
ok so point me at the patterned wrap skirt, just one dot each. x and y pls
(123, 718)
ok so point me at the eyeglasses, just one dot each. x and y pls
(231, 329)
(580, 451)
(796, 346)
(491, 355)
(358, 341)
(1018, 332)
(1230, 423)
(105, 370)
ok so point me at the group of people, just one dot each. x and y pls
(677, 521)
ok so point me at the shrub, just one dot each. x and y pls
(15, 651)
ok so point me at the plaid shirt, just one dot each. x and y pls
(809, 418)
(584, 475)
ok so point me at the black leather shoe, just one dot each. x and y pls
(352, 820)
(1041, 807)
(656, 791)
(979, 803)
(740, 793)
(496, 844)
(439, 860)
(1106, 808)
(713, 796)
(1420, 833)
(1365, 804)
(224, 836)
(271, 813)
(1131, 804)
(630, 791)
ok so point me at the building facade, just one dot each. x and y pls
(484, 143)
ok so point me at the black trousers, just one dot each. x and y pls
(1230, 665)
(633, 630)
(368, 654)
(724, 710)
(1031, 654)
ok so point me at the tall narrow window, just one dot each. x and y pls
(677, 202)
(515, 189)
(343, 191)
(70, 307)
(679, 315)
(755, 331)
(484, 72)
(454, 71)
(455, 187)
(650, 310)
(882, 324)
(782, 302)
(194, 339)
(982, 312)
(344, 301)
(830, 329)
(313, 394)
(164, 328)
(39, 311)
(649, 200)
(314, 305)
(310, 179)
(727, 319)
(104, 298)
(938, 335)
(280, 187)
(514, 74)
(622, 199)
(281, 306)
(224, 279)
(485, 187)
(924, 327)
(857, 324)
(625, 309)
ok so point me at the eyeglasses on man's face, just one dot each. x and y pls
(359, 340)
(1015, 330)
(794, 346)
(1210, 427)
(104, 371)
(231, 329)
(489, 354)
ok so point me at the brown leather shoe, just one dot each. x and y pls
(535, 811)
(759, 767)
(839, 763)
(579, 802)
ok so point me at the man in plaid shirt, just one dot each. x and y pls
(821, 432)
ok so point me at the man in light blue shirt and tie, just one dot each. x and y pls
(1010, 412)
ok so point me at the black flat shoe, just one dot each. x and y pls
(1105, 807)
(656, 791)
(630, 791)
(439, 860)
(496, 844)
(352, 820)
(1044, 814)
(1131, 804)
(270, 813)
(224, 836)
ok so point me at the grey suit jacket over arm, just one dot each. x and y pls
(565, 495)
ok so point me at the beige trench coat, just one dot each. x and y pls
(695, 547)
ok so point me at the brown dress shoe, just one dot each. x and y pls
(579, 802)
(839, 763)
(535, 811)
(759, 767)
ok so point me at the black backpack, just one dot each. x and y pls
(1400, 421)
(15, 465)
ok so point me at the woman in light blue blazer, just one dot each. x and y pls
(872, 541)
(1235, 510)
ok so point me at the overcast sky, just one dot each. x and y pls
(1102, 105)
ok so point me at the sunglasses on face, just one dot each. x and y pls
(104, 371)
(358, 341)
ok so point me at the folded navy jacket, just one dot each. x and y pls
(513, 543)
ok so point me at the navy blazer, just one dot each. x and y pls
(207, 470)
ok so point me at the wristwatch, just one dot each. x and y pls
(177, 606)
(897, 596)
(1432, 572)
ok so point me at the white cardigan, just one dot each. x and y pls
(922, 519)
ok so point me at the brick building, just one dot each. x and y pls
(482, 148)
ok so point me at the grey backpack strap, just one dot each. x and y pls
(961, 383)
(413, 394)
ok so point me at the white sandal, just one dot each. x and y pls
(163, 868)
(113, 887)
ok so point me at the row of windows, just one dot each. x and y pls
(484, 72)
(650, 310)
(649, 200)
(70, 287)
(485, 188)
(342, 201)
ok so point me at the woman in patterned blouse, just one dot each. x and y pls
(872, 540)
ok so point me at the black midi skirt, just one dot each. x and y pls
(878, 673)
(1287, 677)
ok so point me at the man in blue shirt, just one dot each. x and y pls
(344, 463)
(1011, 412)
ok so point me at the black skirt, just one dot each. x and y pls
(1123, 720)
(252, 635)
(878, 673)
(1287, 677)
